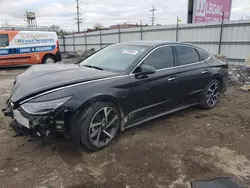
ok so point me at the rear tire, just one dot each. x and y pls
(99, 125)
(211, 95)
(49, 59)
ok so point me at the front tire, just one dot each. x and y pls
(211, 95)
(49, 59)
(99, 125)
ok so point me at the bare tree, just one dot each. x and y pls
(98, 26)
(55, 28)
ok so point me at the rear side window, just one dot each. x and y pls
(203, 55)
(187, 55)
(161, 58)
(4, 40)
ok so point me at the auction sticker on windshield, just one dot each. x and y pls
(131, 52)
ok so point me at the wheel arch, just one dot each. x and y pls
(219, 78)
(102, 98)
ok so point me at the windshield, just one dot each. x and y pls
(115, 58)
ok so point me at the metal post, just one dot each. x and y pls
(177, 29)
(221, 33)
(141, 31)
(64, 46)
(85, 40)
(119, 34)
(101, 38)
(74, 46)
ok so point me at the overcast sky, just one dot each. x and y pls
(106, 12)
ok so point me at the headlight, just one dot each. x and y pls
(43, 107)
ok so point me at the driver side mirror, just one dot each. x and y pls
(144, 70)
(147, 69)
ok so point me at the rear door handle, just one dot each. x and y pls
(173, 78)
(205, 72)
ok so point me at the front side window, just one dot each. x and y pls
(161, 58)
(115, 58)
(4, 40)
(187, 55)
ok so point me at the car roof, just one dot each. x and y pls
(153, 43)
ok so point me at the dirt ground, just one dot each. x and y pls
(171, 151)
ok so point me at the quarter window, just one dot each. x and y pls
(161, 58)
(203, 55)
(187, 55)
(4, 40)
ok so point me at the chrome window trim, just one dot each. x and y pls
(190, 64)
(158, 70)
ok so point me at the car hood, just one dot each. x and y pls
(41, 78)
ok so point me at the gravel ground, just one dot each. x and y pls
(167, 152)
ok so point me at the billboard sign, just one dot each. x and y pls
(211, 10)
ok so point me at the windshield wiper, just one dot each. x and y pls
(94, 67)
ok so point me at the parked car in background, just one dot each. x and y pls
(28, 48)
(118, 87)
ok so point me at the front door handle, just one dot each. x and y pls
(173, 78)
(205, 72)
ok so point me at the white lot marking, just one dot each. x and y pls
(178, 165)
(180, 182)
(78, 168)
(228, 161)
(5, 85)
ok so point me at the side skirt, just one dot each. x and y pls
(159, 115)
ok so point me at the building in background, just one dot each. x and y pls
(24, 28)
(204, 11)
(125, 25)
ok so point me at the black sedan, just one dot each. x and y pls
(118, 87)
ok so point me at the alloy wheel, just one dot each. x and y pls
(103, 127)
(213, 94)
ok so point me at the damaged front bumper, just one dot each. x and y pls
(52, 123)
(7, 112)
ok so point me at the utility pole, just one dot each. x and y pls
(153, 15)
(78, 20)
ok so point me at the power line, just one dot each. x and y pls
(153, 15)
